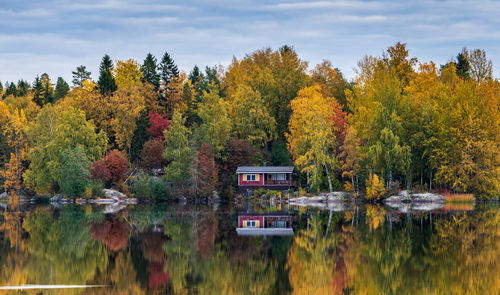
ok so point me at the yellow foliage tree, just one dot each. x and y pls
(127, 73)
(311, 139)
(12, 174)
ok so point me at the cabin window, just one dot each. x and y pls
(278, 176)
(252, 223)
(251, 177)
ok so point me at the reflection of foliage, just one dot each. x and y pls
(311, 261)
(62, 248)
(124, 275)
(375, 215)
(178, 251)
(112, 232)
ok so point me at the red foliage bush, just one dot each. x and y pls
(152, 154)
(117, 165)
(99, 171)
(158, 125)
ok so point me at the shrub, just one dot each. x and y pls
(158, 125)
(375, 189)
(111, 169)
(259, 192)
(458, 198)
(149, 187)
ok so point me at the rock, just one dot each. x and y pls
(101, 201)
(4, 195)
(57, 198)
(402, 196)
(400, 206)
(298, 200)
(338, 196)
(337, 206)
(113, 194)
(427, 197)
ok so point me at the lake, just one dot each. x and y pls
(172, 248)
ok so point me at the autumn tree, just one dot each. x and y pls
(158, 124)
(12, 174)
(251, 118)
(332, 82)
(276, 75)
(178, 150)
(311, 139)
(151, 156)
(127, 73)
(204, 171)
(54, 132)
(215, 128)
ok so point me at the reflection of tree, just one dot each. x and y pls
(113, 233)
(178, 252)
(62, 251)
(375, 215)
(124, 276)
(464, 254)
(311, 260)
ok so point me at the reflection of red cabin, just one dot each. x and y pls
(270, 177)
(269, 224)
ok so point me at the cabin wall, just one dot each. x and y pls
(241, 180)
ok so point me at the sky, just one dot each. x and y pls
(55, 36)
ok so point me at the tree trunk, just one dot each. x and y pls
(329, 179)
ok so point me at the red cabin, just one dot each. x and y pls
(270, 177)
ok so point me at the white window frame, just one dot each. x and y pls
(251, 223)
(251, 177)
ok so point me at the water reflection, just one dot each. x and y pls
(176, 249)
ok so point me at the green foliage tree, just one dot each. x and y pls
(150, 70)
(168, 69)
(61, 90)
(106, 82)
(216, 125)
(178, 150)
(79, 75)
(74, 177)
(54, 132)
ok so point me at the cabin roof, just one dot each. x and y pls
(264, 169)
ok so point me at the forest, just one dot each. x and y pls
(398, 124)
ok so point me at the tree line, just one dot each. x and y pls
(398, 124)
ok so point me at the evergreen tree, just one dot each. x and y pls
(106, 83)
(10, 89)
(37, 91)
(463, 65)
(141, 135)
(81, 74)
(168, 69)
(47, 89)
(22, 88)
(150, 71)
(62, 89)
(1, 87)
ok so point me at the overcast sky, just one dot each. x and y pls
(55, 36)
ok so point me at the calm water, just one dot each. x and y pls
(181, 249)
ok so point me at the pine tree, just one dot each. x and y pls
(81, 74)
(62, 89)
(47, 89)
(1, 87)
(37, 91)
(168, 69)
(106, 83)
(10, 89)
(141, 135)
(150, 71)
(22, 88)
(463, 65)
